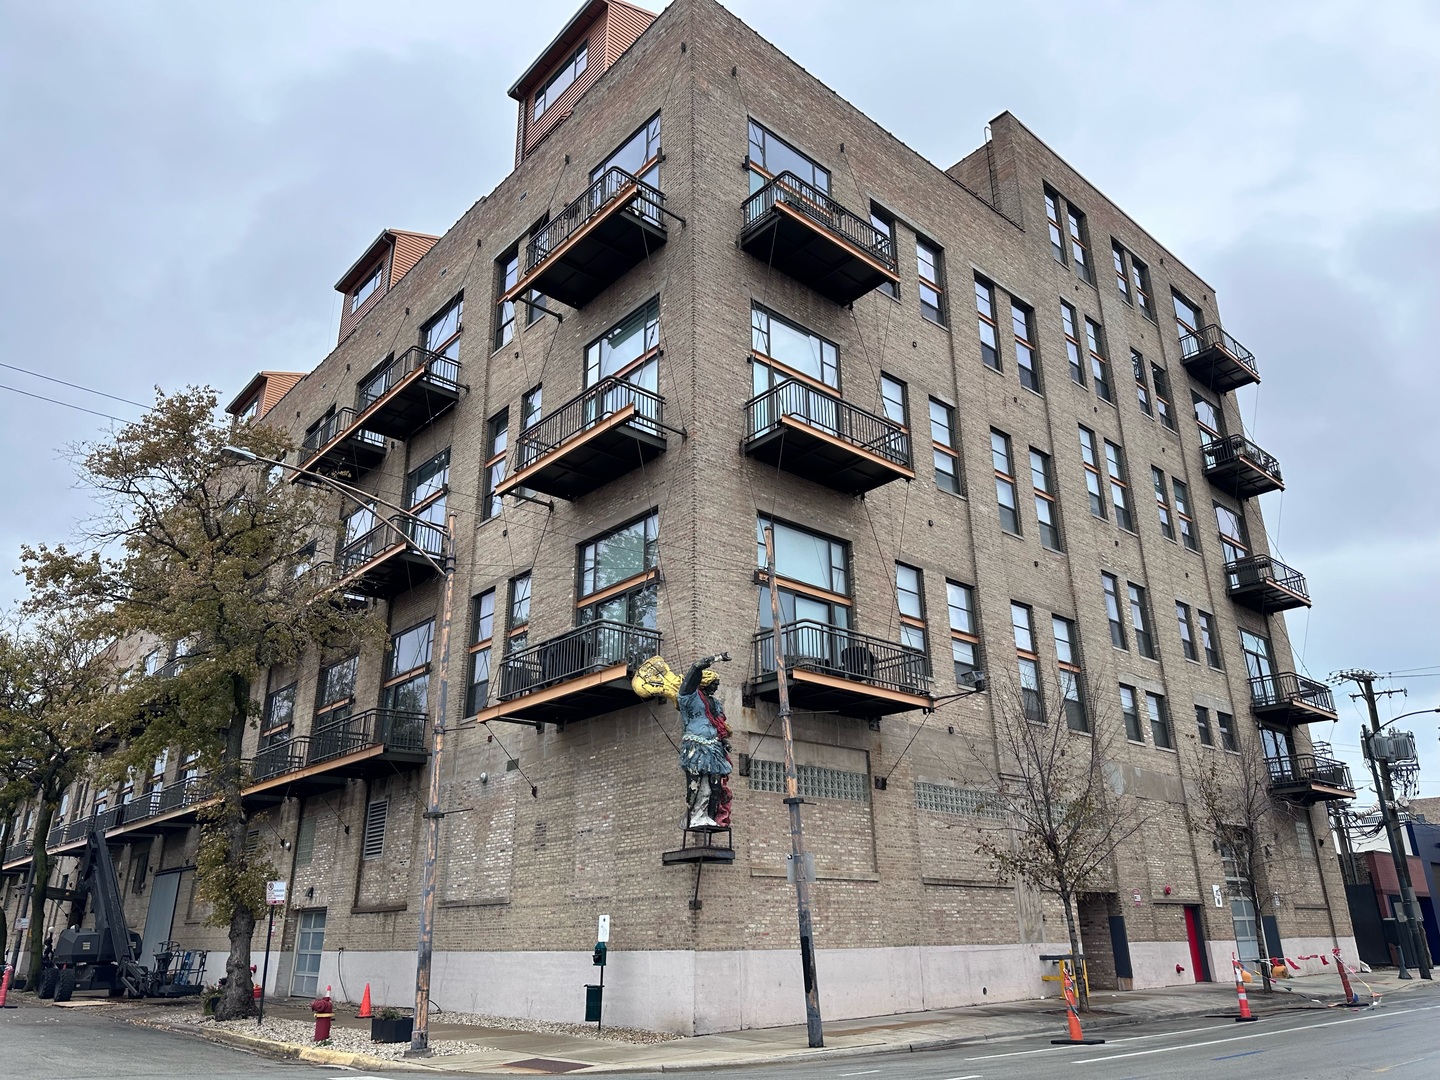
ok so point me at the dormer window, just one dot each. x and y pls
(561, 81)
(366, 290)
(249, 412)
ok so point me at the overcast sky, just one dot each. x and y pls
(183, 183)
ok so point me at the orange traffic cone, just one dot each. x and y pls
(364, 1012)
(1240, 991)
(1072, 1018)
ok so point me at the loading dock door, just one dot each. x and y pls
(160, 919)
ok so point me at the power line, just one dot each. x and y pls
(77, 386)
(57, 401)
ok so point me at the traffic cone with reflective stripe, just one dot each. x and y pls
(1072, 1018)
(1240, 991)
(365, 1004)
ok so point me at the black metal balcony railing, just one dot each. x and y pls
(613, 184)
(1288, 688)
(586, 649)
(385, 535)
(1301, 769)
(1238, 450)
(440, 370)
(185, 792)
(56, 836)
(22, 850)
(280, 758)
(829, 414)
(1227, 363)
(583, 412)
(835, 650)
(1263, 572)
(334, 424)
(394, 729)
(816, 206)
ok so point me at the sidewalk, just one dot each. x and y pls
(506, 1051)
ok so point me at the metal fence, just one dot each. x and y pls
(592, 647)
(835, 650)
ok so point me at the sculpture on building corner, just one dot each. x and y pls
(704, 739)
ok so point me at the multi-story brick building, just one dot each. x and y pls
(712, 294)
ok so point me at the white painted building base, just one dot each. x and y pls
(1295, 947)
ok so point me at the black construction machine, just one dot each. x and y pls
(106, 954)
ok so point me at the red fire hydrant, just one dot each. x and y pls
(324, 1010)
(254, 986)
(5, 986)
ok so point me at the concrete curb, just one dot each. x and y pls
(284, 1051)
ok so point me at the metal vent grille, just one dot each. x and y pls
(813, 782)
(948, 799)
(375, 815)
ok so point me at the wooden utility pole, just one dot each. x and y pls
(794, 802)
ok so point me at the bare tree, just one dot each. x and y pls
(1049, 773)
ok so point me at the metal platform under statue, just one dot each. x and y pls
(702, 844)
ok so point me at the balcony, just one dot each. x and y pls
(799, 230)
(408, 393)
(385, 562)
(583, 673)
(832, 669)
(606, 432)
(340, 447)
(372, 743)
(616, 223)
(1238, 467)
(1309, 778)
(1287, 698)
(1216, 359)
(1264, 584)
(17, 857)
(821, 437)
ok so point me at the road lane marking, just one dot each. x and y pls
(1242, 1053)
(867, 1072)
(1242, 1038)
(1014, 1053)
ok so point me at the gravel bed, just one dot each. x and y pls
(555, 1027)
(301, 1032)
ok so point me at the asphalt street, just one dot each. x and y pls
(1399, 1040)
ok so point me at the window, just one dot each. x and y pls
(1234, 542)
(794, 350)
(507, 273)
(309, 948)
(964, 635)
(1210, 639)
(894, 401)
(910, 596)
(1047, 510)
(1031, 703)
(884, 224)
(1140, 276)
(1208, 416)
(1142, 391)
(1187, 631)
(441, 335)
(1021, 324)
(619, 576)
(1259, 658)
(771, 155)
(628, 350)
(1111, 585)
(532, 407)
(942, 436)
(482, 636)
(1182, 513)
(1202, 726)
(985, 310)
(812, 572)
(1072, 343)
(1228, 737)
(1164, 397)
(1140, 620)
(1004, 482)
(1159, 721)
(366, 289)
(426, 488)
(1067, 653)
(639, 156)
(562, 80)
(305, 841)
(1187, 316)
(139, 868)
(1162, 503)
(1119, 486)
(1130, 710)
(927, 263)
(1122, 279)
(407, 669)
(1099, 366)
(1052, 217)
(518, 631)
(1090, 460)
(152, 662)
(375, 814)
(812, 781)
(335, 692)
(1079, 243)
(497, 441)
(279, 721)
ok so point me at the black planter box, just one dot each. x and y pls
(391, 1031)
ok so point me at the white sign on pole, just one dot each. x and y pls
(1219, 897)
(275, 893)
(23, 924)
(602, 932)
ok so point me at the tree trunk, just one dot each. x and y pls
(40, 879)
(238, 1001)
(1082, 992)
(1265, 985)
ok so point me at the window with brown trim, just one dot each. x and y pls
(1187, 315)
(1032, 704)
(1099, 366)
(964, 631)
(482, 640)
(563, 78)
(1210, 639)
(507, 273)
(1159, 711)
(1090, 460)
(518, 628)
(1140, 277)
(942, 439)
(1072, 678)
(366, 289)
(1079, 242)
(1164, 396)
(497, 441)
(335, 692)
(1142, 388)
(1122, 279)
(1052, 218)
(895, 400)
(783, 350)
(812, 571)
(930, 272)
(1182, 513)
(884, 224)
(1005, 493)
(1022, 327)
(441, 333)
(1111, 585)
(1162, 503)
(910, 598)
(1203, 727)
(1072, 343)
(1140, 621)
(985, 312)
(1186, 626)
(278, 723)
(619, 575)
(1234, 540)
(407, 669)
(771, 155)
(1119, 486)
(1130, 710)
(1047, 508)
